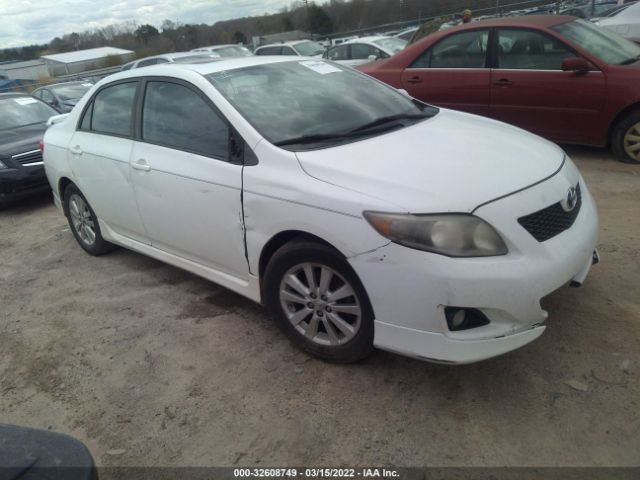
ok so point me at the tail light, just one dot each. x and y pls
(41, 146)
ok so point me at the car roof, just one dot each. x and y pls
(291, 42)
(516, 21)
(205, 68)
(59, 84)
(370, 39)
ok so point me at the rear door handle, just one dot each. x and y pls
(503, 82)
(141, 164)
(414, 80)
(76, 150)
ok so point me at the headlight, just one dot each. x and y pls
(2, 165)
(455, 235)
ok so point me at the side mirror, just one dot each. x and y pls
(372, 57)
(404, 92)
(575, 64)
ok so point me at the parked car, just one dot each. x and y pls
(177, 57)
(304, 48)
(611, 12)
(364, 50)
(62, 96)
(560, 77)
(22, 125)
(360, 220)
(226, 50)
(625, 23)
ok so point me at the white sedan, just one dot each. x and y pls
(365, 49)
(360, 220)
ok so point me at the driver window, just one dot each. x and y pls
(530, 50)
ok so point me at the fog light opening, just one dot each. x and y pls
(460, 318)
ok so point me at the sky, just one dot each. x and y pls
(25, 22)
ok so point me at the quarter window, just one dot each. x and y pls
(176, 116)
(146, 63)
(113, 109)
(529, 50)
(460, 50)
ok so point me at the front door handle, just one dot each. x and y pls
(414, 80)
(503, 82)
(76, 150)
(141, 164)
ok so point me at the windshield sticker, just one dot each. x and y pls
(25, 100)
(320, 67)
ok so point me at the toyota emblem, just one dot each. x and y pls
(571, 200)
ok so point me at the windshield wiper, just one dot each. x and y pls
(319, 137)
(378, 125)
(630, 60)
(390, 119)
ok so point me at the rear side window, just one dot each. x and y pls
(112, 110)
(176, 116)
(362, 51)
(338, 53)
(460, 50)
(146, 63)
(269, 51)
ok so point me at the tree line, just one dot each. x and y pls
(318, 19)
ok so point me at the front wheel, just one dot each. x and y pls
(319, 302)
(625, 140)
(84, 223)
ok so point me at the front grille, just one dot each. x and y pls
(552, 220)
(27, 158)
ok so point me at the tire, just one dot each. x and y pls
(625, 140)
(338, 326)
(84, 223)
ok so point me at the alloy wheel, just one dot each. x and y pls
(81, 219)
(320, 304)
(631, 142)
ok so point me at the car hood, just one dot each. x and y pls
(21, 139)
(452, 162)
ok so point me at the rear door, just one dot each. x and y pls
(530, 90)
(453, 73)
(187, 189)
(99, 155)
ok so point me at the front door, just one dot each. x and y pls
(452, 73)
(530, 90)
(188, 193)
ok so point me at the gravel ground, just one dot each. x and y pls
(150, 365)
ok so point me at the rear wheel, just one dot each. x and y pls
(319, 302)
(84, 223)
(626, 138)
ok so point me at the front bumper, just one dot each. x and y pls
(17, 184)
(409, 289)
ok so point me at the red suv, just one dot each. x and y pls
(560, 77)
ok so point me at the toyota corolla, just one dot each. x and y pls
(352, 211)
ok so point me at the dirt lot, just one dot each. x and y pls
(149, 365)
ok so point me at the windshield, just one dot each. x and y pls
(309, 49)
(71, 92)
(310, 98)
(391, 45)
(604, 44)
(233, 52)
(21, 111)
